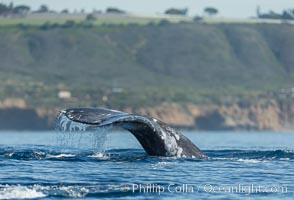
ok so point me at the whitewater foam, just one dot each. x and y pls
(250, 160)
(61, 156)
(19, 192)
(99, 155)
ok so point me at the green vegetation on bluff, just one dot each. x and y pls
(100, 19)
(132, 65)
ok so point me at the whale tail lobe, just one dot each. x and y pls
(156, 137)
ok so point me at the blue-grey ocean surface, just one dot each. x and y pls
(50, 165)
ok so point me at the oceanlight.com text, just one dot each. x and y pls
(206, 188)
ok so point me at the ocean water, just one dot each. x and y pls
(112, 165)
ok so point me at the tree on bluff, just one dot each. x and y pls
(211, 11)
(4, 9)
(288, 14)
(174, 11)
(21, 9)
(43, 9)
(10, 9)
(285, 15)
(112, 10)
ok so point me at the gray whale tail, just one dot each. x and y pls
(155, 136)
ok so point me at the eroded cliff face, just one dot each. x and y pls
(267, 115)
(16, 115)
(260, 116)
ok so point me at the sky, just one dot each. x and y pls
(227, 8)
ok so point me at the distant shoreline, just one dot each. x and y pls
(184, 117)
(38, 19)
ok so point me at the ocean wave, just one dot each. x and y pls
(20, 192)
(60, 191)
(133, 155)
(62, 155)
(251, 155)
(99, 155)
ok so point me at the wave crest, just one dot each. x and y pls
(138, 154)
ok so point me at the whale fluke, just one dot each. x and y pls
(155, 136)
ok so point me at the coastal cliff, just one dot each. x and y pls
(270, 115)
(267, 116)
(190, 74)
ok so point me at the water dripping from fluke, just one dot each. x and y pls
(70, 134)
